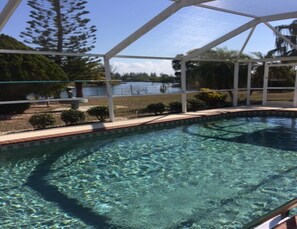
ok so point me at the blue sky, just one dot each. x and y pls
(190, 28)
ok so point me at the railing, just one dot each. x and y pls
(82, 100)
(282, 211)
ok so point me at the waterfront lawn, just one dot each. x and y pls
(125, 108)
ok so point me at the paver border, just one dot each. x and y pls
(29, 139)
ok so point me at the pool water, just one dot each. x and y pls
(217, 174)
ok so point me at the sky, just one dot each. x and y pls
(189, 28)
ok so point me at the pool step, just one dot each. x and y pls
(278, 218)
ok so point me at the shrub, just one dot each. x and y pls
(41, 121)
(72, 117)
(9, 93)
(101, 112)
(195, 104)
(175, 107)
(29, 68)
(14, 108)
(211, 98)
(156, 108)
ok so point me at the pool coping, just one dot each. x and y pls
(62, 134)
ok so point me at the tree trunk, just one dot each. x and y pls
(57, 8)
(79, 89)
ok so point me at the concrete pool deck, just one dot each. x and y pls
(37, 135)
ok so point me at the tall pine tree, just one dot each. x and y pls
(62, 26)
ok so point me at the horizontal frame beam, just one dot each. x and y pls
(58, 81)
(282, 65)
(145, 57)
(83, 100)
(49, 53)
(31, 52)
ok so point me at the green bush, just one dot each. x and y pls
(72, 117)
(12, 93)
(41, 121)
(195, 104)
(175, 107)
(211, 98)
(101, 112)
(156, 108)
(23, 67)
(14, 108)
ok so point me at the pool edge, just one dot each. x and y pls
(63, 134)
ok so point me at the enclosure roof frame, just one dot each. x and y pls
(11, 6)
(162, 16)
(179, 4)
(8, 11)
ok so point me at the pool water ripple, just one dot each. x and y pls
(218, 174)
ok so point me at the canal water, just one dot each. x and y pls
(129, 88)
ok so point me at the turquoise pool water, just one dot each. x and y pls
(217, 174)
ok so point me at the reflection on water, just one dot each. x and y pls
(208, 175)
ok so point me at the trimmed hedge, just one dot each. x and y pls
(195, 104)
(211, 98)
(41, 121)
(71, 117)
(156, 108)
(175, 107)
(14, 108)
(101, 112)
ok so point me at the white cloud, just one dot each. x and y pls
(188, 29)
(148, 66)
(194, 27)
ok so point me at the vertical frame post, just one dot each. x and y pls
(249, 79)
(295, 90)
(265, 84)
(184, 86)
(109, 89)
(235, 82)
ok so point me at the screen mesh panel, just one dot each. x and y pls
(257, 7)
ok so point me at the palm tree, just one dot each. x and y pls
(218, 75)
(283, 48)
(279, 76)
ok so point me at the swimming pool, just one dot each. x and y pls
(215, 174)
